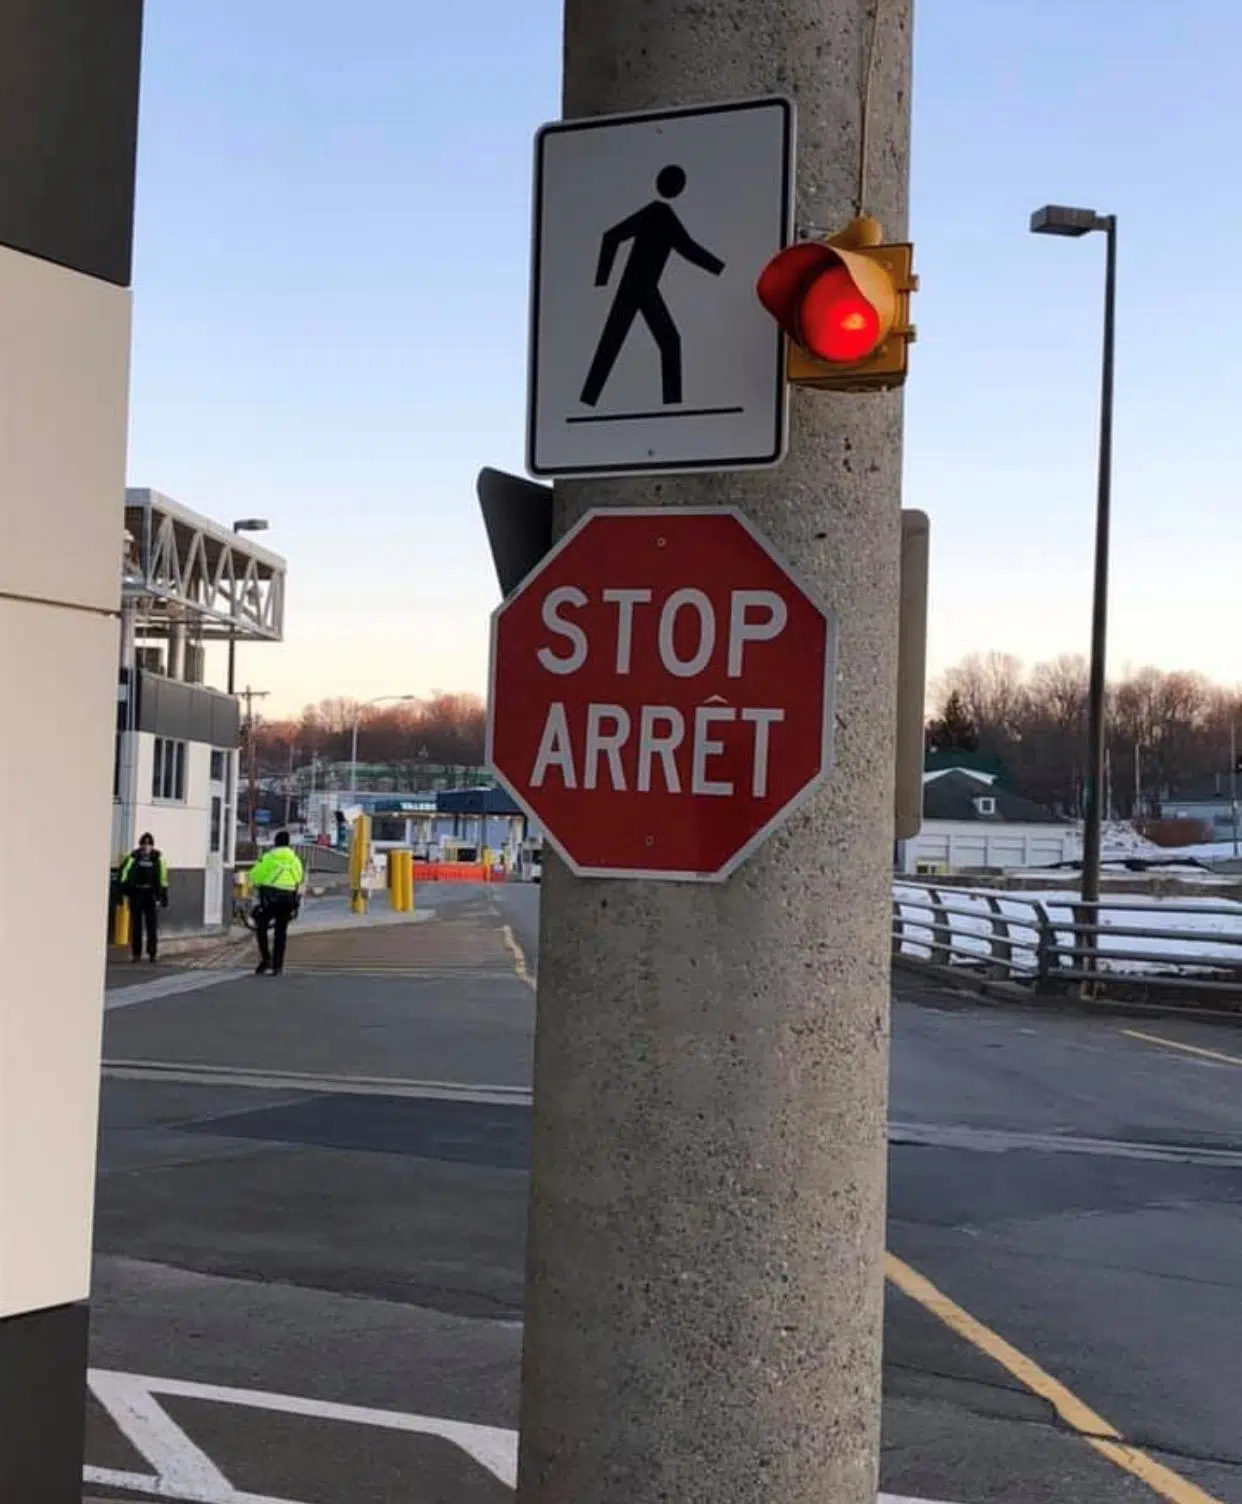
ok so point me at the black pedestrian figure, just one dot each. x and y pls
(656, 232)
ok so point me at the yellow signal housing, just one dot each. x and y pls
(884, 274)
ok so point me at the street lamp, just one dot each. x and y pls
(353, 752)
(1056, 219)
(242, 525)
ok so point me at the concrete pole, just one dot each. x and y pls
(705, 1275)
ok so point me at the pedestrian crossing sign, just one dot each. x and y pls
(649, 350)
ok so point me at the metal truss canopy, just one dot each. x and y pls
(189, 570)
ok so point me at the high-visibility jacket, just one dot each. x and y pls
(279, 868)
(144, 872)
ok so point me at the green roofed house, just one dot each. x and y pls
(972, 823)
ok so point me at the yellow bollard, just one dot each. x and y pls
(394, 880)
(402, 898)
(120, 924)
(359, 858)
(408, 878)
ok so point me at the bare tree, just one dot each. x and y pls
(1168, 733)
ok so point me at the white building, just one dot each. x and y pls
(186, 582)
(969, 823)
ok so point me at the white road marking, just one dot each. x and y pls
(1005, 1140)
(179, 1465)
(189, 1074)
(184, 981)
(490, 1446)
(400, 969)
(140, 1483)
(184, 1473)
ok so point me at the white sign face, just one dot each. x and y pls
(649, 349)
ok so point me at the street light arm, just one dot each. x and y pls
(353, 754)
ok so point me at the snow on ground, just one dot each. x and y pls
(1120, 840)
(1179, 935)
(1205, 851)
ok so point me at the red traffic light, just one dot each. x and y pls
(837, 322)
(837, 304)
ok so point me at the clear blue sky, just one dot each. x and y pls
(330, 304)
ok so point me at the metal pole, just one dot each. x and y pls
(1233, 780)
(353, 759)
(232, 627)
(1097, 691)
(704, 1291)
(251, 778)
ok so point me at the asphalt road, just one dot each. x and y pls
(313, 1189)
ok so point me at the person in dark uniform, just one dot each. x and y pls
(144, 883)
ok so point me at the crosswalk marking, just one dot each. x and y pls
(183, 1472)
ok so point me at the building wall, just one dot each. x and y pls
(64, 343)
(954, 845)
(182, 828)
(69, 78)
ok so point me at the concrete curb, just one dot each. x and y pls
(1055, 1002)
(233, 937)
(351, 922)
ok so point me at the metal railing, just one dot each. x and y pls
(1056, 943)
(323, 858)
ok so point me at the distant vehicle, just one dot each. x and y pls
(530, 860)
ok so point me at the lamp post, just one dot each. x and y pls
(1056, 219)
(353, 752)
(242, 525)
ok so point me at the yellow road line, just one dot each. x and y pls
(1190, 1049)
(1093, 1428)
(519, 957)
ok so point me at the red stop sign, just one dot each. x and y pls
(661, 693)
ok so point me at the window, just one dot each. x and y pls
(217, 766)
(986, 804)
(168, 770)
(217, 822)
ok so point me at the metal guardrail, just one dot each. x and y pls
(323, 858)
(1060, 944)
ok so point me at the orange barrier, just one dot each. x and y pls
(456, 872)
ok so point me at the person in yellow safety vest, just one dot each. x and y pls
(143, 880)
(277, 878)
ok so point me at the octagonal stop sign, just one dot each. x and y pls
(661, 693)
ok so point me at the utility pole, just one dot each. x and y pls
(250, 696)
(704, 1293)
(289, 784)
